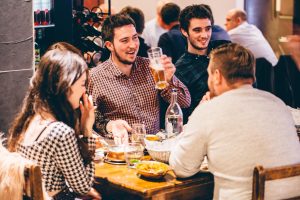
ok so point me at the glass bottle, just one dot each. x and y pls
(37, 55)
(174, 117)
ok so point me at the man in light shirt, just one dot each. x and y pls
(155, 27)
(248, 35)
(239, 128)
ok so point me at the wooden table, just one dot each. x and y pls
(118, 182)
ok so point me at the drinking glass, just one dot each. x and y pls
(138, 133)
(156, 67)
(133, 154)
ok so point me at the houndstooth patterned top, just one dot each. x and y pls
(59, 158)
(132, 98)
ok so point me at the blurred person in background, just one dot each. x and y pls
(173, 43)
(248, 35)
(218, 33)
(54, 127)
(233, 127)
(155, 27)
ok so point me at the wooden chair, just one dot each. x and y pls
(33, 183)
(261, 175)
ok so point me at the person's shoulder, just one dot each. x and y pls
(60, 129)
(183, 59)
(100, 68)
(142, 61)
(216, 43)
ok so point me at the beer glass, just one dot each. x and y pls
(157, 69)
(138, 133)
(133, 154)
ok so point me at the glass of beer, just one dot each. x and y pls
(156, 67)
(138, 133)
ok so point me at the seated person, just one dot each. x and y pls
(123, 87)
(248, 35)
(237, 129)
(54, 127)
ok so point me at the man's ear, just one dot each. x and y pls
(217, 77)
(184, 33)
(239, 20)
(109, 45)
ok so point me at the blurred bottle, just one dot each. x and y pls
(174, 117)
(37, 55)
(37, 7)
(46, 12)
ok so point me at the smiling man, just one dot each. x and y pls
(123, 87)
(196, 25)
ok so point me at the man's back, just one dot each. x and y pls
(242, 128)
(173, 43)
(252, 127)
(252, 38)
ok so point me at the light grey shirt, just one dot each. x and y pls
(152, 32)
(238, 130)
(252, 38)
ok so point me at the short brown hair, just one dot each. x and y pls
(113, 22)
(234, 61)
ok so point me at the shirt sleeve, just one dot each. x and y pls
(183, 94)
(100, 121)
(100, 125)
(69, 161)
(188, 154)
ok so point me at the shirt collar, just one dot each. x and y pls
(117, 72)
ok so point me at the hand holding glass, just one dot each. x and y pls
(156, 67)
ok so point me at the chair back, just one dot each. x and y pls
(264, 72)
(261, 175)
(33, 183)
(287, 81)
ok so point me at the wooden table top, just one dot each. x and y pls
(122, 177)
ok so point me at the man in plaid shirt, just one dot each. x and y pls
(123, 87)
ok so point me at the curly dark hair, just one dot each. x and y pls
(193, 11)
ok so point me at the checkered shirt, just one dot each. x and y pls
(132, 98)
(60, 160)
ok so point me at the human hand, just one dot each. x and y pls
(119, 129)
(206, 97)
(168, 66)
(94, 194)
(87, 110)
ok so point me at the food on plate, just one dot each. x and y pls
(153, 138)
(152, 169)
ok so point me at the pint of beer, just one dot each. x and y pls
(157, 69)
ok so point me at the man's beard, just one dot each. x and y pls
(126, 62)
(197, 47)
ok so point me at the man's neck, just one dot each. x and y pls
(124, 68)
(197, 51)
(238, 84)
